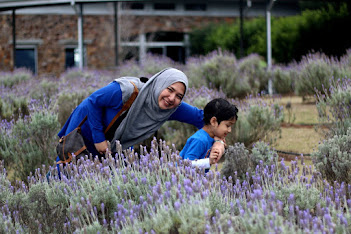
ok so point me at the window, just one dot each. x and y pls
(72, 57)
(132, 6)
(195, 7)
(26, 57)
(164, 6)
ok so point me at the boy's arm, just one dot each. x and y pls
(203, 163)
(193, 149)
(207, 162)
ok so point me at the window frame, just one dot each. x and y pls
(20, 46)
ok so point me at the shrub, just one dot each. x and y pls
(156, 191)
(9, 79)
(67, 102)
(334, 108)
(220, 70)
(29, 143)
(257, 120)
(333, 158)
(282, 80)
(316, 71)
(254, 67)
(45, 90)
(13, 107)
(263, 153)
(237, 162)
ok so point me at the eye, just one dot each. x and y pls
(180, 97)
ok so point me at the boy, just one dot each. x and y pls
(208, 143)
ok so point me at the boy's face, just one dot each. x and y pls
(224, 128)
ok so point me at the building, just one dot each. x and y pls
(50, 36)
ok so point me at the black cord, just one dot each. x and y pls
(292, 153)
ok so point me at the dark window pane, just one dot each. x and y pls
(26, 58)
(69, 62)
(176, 53)
(132, 6)
(195, 7)
(164, 36)
(158, 51)
(164, 6)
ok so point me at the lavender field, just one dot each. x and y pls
(151, 189)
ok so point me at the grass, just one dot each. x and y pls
(298, 140)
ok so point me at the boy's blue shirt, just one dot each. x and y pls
(197, 145)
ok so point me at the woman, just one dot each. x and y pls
(159, 100)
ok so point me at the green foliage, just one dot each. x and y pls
(67, 102)
(302, 197)
(333, 158)
(334, 108)
(283, 82)
(221, 71)
(200, 40)
(292, 36)
(10, 79)
(316, 73)
(237, 162)
(257, 120)
(254, 67)
(13, 107)
(263, 152)
(45, 90)
(29, 143)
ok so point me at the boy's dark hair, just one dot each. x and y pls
(221, 109)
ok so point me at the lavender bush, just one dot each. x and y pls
(315, 72)
(218, 70)
(9, 79)
(334, 108)
(283, 80)
(258, 119)
(333, 158)
(157, 192)
(263, 153)
(28, 143)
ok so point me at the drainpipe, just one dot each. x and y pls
(79, 13)
(115, 24)
(269, 44)
(14, 37)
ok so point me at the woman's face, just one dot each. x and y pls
(171, 96)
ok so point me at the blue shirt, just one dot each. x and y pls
(197, 146)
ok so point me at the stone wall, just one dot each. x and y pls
(55, 31)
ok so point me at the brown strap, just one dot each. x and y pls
(70, 155)
(124, 107)
(81, 123)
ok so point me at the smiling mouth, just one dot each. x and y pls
(168, 103)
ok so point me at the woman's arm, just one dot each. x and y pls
(108, 97)
(189, 114)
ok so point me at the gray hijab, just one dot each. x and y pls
(145, 116)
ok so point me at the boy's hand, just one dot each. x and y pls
(216, 152)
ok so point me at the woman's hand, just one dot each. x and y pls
(101, 147)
